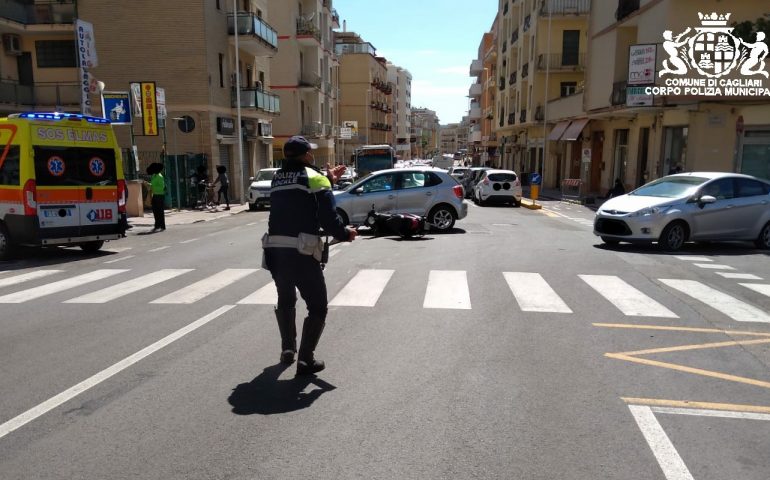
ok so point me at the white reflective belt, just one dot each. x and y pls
(280, 241)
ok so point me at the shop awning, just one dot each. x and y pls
(558, 130)
(574, 130)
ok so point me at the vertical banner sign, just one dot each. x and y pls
(86, 59)
(641, 64)
(136, 99)
(149, 109)
(116, 107)
(160, 96)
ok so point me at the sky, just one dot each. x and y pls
(435, 40)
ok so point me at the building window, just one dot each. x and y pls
(219, 7)
(221, 70)
(56, 54)
(568, 88)
(570, 47)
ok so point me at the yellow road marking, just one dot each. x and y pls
(678, 329)
(730, 407)
(549, 213)
(703, 346)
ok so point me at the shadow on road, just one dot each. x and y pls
(267, 395)
(31, 257)
(699, 248)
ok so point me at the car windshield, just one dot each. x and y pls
(670, 187)
(265, 175)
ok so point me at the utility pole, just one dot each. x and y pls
(238, 106)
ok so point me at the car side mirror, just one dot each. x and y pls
(359, 190)
(705, 200)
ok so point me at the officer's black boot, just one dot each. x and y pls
(288, 328)
(311, 332)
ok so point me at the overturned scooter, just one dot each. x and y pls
(405, 225)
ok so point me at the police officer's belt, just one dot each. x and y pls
(305, 243)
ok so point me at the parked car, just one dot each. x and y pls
(500, 186)
(696, 206)
(259, 190)
(458, 172)
(470, 179)
(423, 191)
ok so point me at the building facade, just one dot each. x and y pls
(402, 109)
(305, 74)
(483, 93)
(425, 133)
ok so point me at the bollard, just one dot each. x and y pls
(534, 192)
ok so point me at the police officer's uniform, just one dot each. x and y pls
(301, 201)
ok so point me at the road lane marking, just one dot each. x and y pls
(693, 259)
(698, 412)
(251, 224)
(121, 259)
(189, 241)
(131, 286)
(118, 249)
(739, 276)
(702, 346)
(626, 298)
(363, 290)
(732, 407)
(668, 458)
(533, 293)
(158, 249)
(60, 286)
(678, 329)
(207, 286)
(732, 307)
(267, 295)
(764, 289)
(713, 266)
(25, 277)
(72, 392)
(447, 289)
(333, 253)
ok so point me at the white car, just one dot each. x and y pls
(500, 186)
(259, 190)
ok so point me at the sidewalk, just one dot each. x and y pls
(185, 216)
(554, 194)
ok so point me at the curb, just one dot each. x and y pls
(525, 202)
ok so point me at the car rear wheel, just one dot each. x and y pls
(442, 217)
(5, 243)
(516, 203)
(92, 246)
(673, 236)
(763, 241)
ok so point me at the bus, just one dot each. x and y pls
(371, 158)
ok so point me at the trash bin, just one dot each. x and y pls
(135, 202)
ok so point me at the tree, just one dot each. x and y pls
(747, 30)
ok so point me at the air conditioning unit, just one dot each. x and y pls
(11, 44)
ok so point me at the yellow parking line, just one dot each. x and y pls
(678, 329)
(703, 346)
(732, 407)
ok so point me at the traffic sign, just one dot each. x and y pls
(535, 179)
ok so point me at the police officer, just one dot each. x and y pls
(301, 201)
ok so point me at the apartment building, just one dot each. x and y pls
(448, 138)
(402, 109)
(541, 59)
(193, 58)
(636, 134)
(365, 98)
(483, 93)
(304, 73)
(425, 133)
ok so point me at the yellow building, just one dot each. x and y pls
(637, 136)
(483, 94)
(541, 60)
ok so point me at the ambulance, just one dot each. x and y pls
(61, 182)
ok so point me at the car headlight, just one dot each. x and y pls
(650, 211)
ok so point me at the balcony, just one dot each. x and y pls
(474, 113)
(566, 107)
(491, 83)
(48, 96)
(523, 116)
(310, 80)
(255, 36)
(626, 8)
(475, 137)
(539, 114)
(477, 67)
(313, 130)
(52, 12)
(525, 70)
(259, 100)
(619, 93)
(476, 90)
(564, 8)
(307, 33)
(345, 48)
(513, 78)
(335, 18)
(558, 61)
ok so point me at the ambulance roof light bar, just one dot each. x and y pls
(59, 116)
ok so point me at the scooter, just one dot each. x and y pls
(405, 225)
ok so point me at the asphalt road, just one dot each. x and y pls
(516, 347)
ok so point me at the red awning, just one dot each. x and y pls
(558, 130)
(574, 130)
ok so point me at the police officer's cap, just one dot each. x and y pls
(297, 145)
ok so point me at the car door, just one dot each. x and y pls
(716, 220)
(380, 191)
(752, 204)
(415, 193)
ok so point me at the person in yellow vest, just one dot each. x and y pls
(158, 187)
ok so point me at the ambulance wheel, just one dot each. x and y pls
(94, 246)
(5, 243)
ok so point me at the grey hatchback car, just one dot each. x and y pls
(424, 191)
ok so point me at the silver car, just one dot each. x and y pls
(422, 191)
(697, 206)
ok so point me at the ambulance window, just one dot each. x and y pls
(75, 166)
(9, 170)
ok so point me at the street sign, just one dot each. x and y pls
(116, 107)
(346, 133)
(535, 179)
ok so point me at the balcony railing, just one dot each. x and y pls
(259, 99)
(626, 8)
(523, 117)
(50, 95)
(310, 79)
(250, 24)
(313, 130)
(560, 61)
(565, 7)
(335, 17)
(41, 12)
(308, 28)
(619, 93)
(344, 48)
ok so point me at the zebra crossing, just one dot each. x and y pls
(445, 289)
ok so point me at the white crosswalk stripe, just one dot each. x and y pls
(202, 289)
(534, 294)
(60, 286)
(713, 266)
(266, 295)
(363, 290)
(738, 276)
(626, 298)
(732, 307)
(447, 289)
(25, 277)
(131, 286)
(762, 288)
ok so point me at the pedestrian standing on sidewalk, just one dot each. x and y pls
(301, 202)
(224, 185)
(158, 187)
